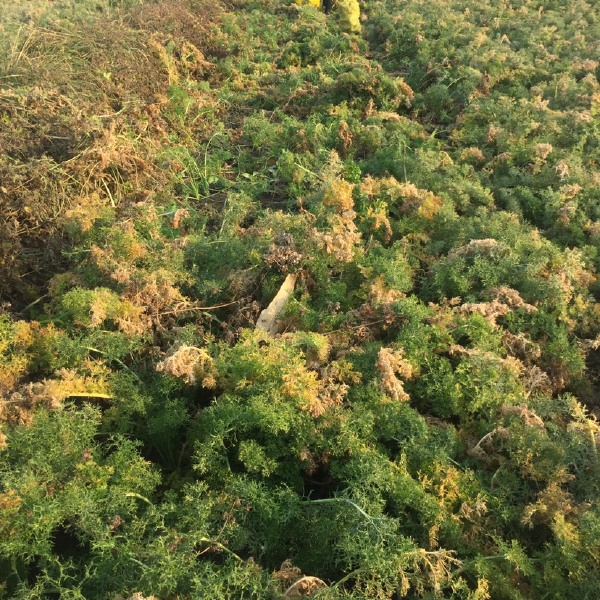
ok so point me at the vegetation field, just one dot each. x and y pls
(420, 420)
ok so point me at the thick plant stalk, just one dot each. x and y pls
(267, 321)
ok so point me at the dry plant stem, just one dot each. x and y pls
(488, 436)
(267, 321)
(191, 308)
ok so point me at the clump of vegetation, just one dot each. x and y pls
(418, 420)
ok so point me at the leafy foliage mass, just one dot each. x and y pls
(424, 424)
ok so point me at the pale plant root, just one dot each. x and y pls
(268, 318)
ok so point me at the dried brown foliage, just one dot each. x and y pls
(190, 364)
(553, 504)
(520, 346)
(342, 236)
(284, 254)
(511, 364)
(392, 365)
(74, 152)
(294, 584)
(408, 198)
(486, 246)
(536, 381)
(529, 418)
(490, 311)
(187, 20)
(510, 297)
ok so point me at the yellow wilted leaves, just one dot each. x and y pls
(87, 211)
(342, 236)
(379, 215)
(304, 386)
(89, 381)
(318, 391)
(10, 501)
(19, 342)
(556, 508)
(15, 339)
(145, 301)
(406, 197)
(338, 194)
(391, 364)
(92, 308)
